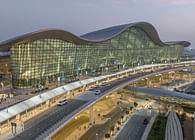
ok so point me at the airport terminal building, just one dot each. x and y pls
(41, 58)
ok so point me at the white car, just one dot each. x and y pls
(62, 101)
(97, 92)
(104, 84)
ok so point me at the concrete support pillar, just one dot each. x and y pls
(92, 116)
(48, 103)
(148, 82)
(181, 76)
(161, 79)
(107, 80)
(83, 89)
(8, 123)
(116, 98)
(174, 76)
(126, 74)
(189, 76)
(18, 117)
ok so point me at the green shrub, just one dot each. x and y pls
(112, 128)
(135, 104)
(131, 107)
(107, 135)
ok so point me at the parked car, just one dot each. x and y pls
(62, 101)
(97, 92)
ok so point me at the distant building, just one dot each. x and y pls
(41, 58)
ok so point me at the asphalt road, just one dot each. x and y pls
(134, 128)
(163, 93)
(35, 126)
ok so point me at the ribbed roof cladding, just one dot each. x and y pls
(105, 33)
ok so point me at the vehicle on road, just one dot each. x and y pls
(97, 92)
(97, 86)
(93, 87)
(145, 122)
(62, 101)
(150, 107)
(104, 84)
(108, 85)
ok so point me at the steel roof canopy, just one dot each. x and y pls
(93, 37)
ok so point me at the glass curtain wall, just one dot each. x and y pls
(39, 63)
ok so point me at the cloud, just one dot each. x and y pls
(173, 2)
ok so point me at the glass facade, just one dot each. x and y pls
(39, 63)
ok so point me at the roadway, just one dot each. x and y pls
(163, 93)
(134, 128)
(35, 126)
(50, 123)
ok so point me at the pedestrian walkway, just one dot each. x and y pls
(6, 102)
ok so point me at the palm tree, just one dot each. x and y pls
(112, 129)
(107, 135)
(131, 108)
(127, 112)
(135, 104)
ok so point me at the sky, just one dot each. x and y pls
(173, 19)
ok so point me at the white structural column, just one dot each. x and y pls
(92, 116)
(161, 78)
(116, 98)
(148, 82)
(174, 76)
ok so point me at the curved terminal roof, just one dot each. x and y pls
(93, 37)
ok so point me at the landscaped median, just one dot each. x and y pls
(116, 127)
(157, 131)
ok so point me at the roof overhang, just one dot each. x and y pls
(85, 39)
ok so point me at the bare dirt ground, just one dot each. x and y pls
(188, 129)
